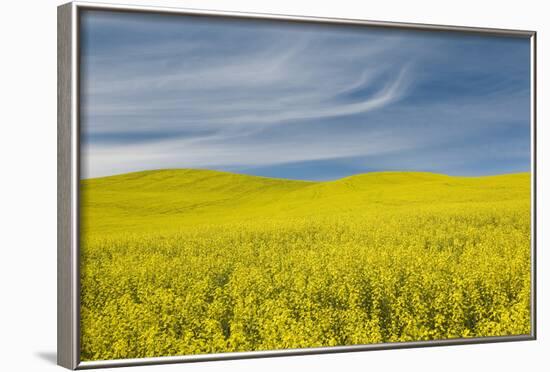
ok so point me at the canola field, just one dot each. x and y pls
(179, 262)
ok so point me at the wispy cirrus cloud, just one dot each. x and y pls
(190, 92)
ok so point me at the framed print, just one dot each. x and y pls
(236, 185)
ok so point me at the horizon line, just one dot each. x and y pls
(300, 180)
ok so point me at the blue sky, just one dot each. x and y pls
(298, 100)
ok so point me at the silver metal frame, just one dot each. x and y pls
(68, 287)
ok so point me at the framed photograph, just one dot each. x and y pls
(235, 185)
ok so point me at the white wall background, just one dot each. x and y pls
(28, 184)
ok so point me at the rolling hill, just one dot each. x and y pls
(180, 262)
(172, 199)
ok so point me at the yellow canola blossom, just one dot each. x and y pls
(181, 262)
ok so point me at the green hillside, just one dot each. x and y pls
(179, 262)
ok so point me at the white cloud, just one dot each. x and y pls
(225, 98)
